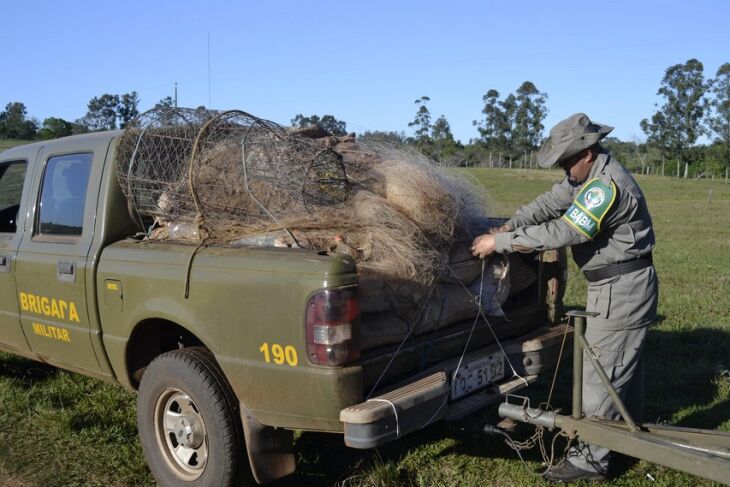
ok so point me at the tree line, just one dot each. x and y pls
(510, 128)
(104, 112)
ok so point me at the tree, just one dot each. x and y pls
(127, 108)
(493, 128)
(514, 125)
(422, 121)
(719, 120)
(107, 112)
(328, 123)
(55, 127)
(165, 103)
(14, 124)
(530, 111)
(509, 109)
(388, 137)
(101, 113)
(442, 138)
(676, 125)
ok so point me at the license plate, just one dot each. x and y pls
(477, 374)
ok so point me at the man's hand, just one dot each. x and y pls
(504, 228)
(483, 246)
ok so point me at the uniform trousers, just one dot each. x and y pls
(627, 306)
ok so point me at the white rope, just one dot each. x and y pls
(481, 314)
(484, 317)
(395, 411)
(400, 346)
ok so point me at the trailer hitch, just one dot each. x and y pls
(704, 453)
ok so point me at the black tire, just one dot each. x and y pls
(189, 422)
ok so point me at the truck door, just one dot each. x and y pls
(52, 258)
(12, 177)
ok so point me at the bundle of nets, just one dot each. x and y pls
(228, 177)
(234, 179)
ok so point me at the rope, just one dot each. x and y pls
(538, 438)
(400, 346)
(484, 317)
(395, 412)
(557, 366)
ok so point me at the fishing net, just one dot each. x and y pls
(234, 179)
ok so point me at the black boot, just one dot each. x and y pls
(567, 472)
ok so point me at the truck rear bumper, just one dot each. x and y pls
(427, 398)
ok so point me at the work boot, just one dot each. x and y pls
(567, 472)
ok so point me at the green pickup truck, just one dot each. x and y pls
(232, 349)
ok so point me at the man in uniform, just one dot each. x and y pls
(600, 212)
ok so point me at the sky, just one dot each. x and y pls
(363, 62)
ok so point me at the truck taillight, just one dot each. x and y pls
(332, 320)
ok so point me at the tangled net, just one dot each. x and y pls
(229, 176)
(234, 179)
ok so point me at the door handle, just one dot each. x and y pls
(66, 271)
(5, 261)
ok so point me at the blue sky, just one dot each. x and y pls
(363, 62)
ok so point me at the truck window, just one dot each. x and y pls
(63, 195)
(12, 176)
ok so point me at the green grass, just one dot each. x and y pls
(60, 429)
(8, 143)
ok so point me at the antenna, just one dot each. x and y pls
(175, 94)
(209, 102)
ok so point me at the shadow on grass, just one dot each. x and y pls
(23, 371)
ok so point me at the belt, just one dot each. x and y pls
(614, 270)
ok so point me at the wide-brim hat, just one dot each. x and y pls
(569, 137)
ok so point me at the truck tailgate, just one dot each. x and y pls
(439, 392)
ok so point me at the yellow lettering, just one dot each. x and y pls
(31, 302)
(60, 334)
(112, 286)
(46, 306)
(72, 314)
(42, 305)
(54, 309)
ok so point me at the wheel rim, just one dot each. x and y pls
(181, 434)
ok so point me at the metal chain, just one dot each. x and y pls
(538, 438)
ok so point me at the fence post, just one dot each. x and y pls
(662, 165)
(510, 162)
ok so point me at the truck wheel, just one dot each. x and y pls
(188, 421)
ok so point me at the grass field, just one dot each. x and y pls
(8, 143)
(60, 429)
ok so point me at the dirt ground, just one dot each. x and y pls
(7, 480)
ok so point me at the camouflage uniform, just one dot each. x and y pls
(626, 303)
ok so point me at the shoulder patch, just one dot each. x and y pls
(591, 206)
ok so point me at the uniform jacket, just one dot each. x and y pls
(626, 233)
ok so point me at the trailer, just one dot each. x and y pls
(700, 452)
